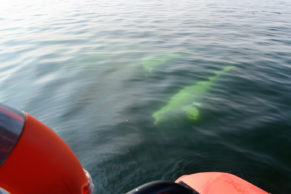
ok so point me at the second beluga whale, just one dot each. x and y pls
(152, 62)
(186, 100)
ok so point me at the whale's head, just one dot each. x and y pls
(158, 116)
(192, 112)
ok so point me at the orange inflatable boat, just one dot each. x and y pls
(34, 160)
(201, 183)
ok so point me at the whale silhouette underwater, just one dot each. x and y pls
(152, 62)
(186, 100)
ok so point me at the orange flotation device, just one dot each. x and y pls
(218, 182)
(34, 159)
(200, 183)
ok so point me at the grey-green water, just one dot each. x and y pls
(78, 67)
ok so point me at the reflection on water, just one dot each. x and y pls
(96, 71)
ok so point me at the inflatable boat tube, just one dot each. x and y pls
(34, 159)
(218, 182)
(201, 183)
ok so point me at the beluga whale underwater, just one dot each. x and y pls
(186, 100)
(152, 62)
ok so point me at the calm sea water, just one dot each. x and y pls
(78, 67)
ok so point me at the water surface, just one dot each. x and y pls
(78, 67)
